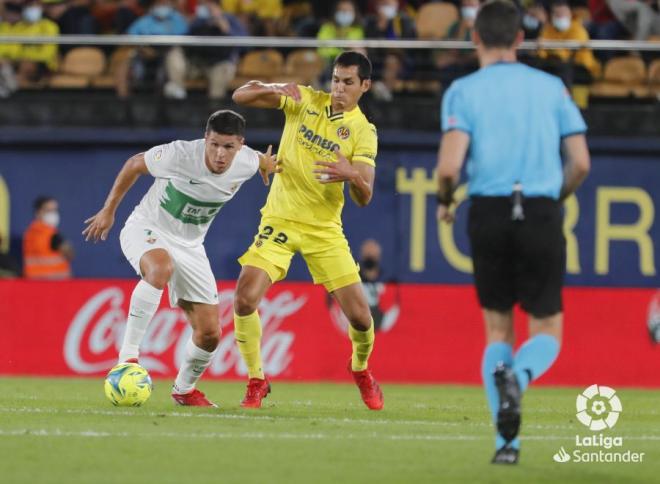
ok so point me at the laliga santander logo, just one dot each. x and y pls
(96, 332)
(598, 407)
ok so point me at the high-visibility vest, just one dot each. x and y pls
(40, 260)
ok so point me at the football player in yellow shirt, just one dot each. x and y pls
(326, 142)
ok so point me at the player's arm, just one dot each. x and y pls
(577, 164)
(451, 155)
(256, 94)
(360, 177)
(100, 224)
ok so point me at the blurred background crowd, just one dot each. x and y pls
(174, 71)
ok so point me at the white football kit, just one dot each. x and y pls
(178, 209)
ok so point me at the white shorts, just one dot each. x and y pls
(192, 279)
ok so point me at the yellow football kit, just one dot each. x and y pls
(301, 214)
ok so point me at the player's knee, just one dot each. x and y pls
(208, 339)
(245, 303)
(159, 275)
(360, 318)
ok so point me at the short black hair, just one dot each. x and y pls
(40, 201)
(498, 23)
(226, 121)
(559, 3)
(353, 58)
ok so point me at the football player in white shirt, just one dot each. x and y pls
(162, 238)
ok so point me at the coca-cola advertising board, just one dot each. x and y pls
(428, 333)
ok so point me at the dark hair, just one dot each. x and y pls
(559, 3)
(498, 23)
(226, 121)
(353, 58)
(40, 201)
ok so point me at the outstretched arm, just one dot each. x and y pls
(100, 224)
(256, 94)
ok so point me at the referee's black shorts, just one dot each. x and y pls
(518, 261)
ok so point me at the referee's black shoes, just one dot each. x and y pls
(505, 455)
(508, 415)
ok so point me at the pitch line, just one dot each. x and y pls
(275, 435)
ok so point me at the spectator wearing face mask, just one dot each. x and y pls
(218, 64)
(572, 66)
(31, 63)
(456, 63)
(390, 66)
(147, 63)
(345, 25)
(46, 254)
(533, 20)
(370, 273)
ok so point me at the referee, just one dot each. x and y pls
(513, 124)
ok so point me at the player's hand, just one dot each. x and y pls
(99, 225)
(268, 164)
(445, 214)
(290, 89)
(332, 172)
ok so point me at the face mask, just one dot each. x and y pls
(388, 11)
(344, 18)
(203, 12)
(51, 218)
(32, 14)
(561, 23)
(369, 263)
(162, 11)
(469, 13)
(530, 22)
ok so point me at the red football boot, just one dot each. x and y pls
(371, 394)
(195, 398)
(257, 389)
(132, 360)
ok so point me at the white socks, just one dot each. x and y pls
(144, 303)
(192, 367)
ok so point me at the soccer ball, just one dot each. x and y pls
(128, 385)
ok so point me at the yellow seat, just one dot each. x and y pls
(654, 78)
(78, 68)
(623, 77)
(119, 59)
(303, 66)
(264, 65)
(434, 20)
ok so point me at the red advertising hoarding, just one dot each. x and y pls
(430, 334)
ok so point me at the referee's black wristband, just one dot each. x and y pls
(444, 200)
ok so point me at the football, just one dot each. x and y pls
(128, 385)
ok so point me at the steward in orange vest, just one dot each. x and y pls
(46, 254)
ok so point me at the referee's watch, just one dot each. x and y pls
(446, 200)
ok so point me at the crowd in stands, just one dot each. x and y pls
(175, 70)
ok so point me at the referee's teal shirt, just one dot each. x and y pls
(516, 117)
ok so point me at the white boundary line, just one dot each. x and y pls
(272, 418)
(23, 432)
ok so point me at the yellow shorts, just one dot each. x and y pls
(324, 249)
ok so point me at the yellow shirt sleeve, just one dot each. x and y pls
(289, 106)
(366, 147)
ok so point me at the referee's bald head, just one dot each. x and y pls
(498, 23)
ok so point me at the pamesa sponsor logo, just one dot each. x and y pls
(598, 407)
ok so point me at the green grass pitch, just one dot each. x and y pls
(64, 431)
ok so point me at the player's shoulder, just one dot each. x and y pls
(184, 147)
(248, 158)
(313, 96)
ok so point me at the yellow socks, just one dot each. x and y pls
(363, 343)
(247, 331)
